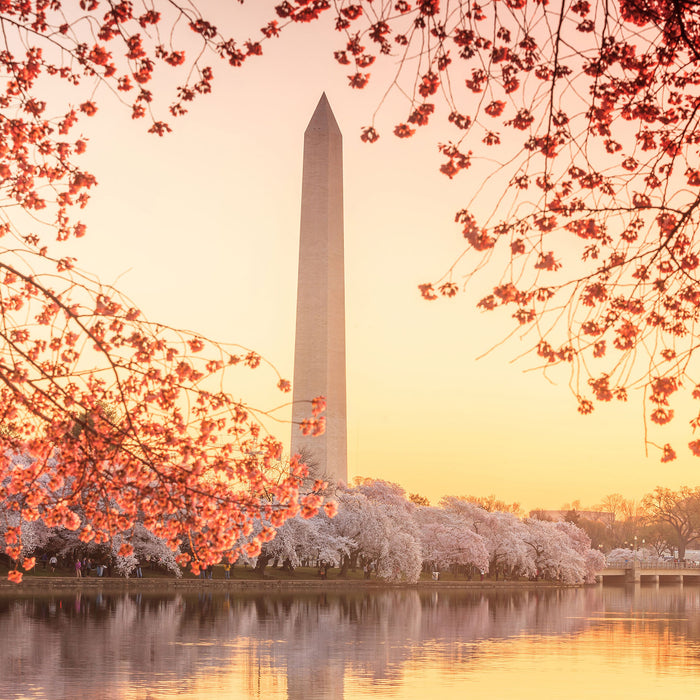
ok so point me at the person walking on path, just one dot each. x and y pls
(78, 567)
(52, 563)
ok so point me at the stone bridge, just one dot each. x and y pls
(653, 572)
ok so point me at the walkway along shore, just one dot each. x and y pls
(167, 585)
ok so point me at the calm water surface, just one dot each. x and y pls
(402, 644)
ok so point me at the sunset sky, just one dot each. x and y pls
(200, 229)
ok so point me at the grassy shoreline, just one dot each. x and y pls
(248, 579)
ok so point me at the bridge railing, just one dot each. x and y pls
(642, 564)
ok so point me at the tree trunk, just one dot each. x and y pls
(261, 564)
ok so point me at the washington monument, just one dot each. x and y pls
(319, 350)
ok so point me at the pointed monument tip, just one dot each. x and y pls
(323, 117)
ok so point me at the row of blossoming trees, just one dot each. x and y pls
(376, 526)
(379, 527)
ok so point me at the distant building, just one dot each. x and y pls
(558, 516)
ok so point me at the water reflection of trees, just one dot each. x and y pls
(100, 645)
(661, 622)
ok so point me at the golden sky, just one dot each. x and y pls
(201, 229)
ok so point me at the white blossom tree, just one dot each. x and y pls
(301, 539)
(358, 521)
(594, 560)
(446, 540)
(378, 517)
(554, 553)
(503, 535)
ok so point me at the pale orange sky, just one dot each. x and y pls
(201, 229)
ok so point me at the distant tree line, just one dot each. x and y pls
(664, 521)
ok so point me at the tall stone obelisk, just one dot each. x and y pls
(319, 350)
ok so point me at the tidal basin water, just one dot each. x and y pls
(601, 642)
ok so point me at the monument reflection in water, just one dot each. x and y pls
(611, 642)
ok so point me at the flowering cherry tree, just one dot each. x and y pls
(502, 535)
(68, 545)
(116, 420)
(620, 556)
(359, 522)
(562, 551)
(302, 539)
(379, 519)
(581, 116)
(580, 542)
(505, 540)
(446, 540)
